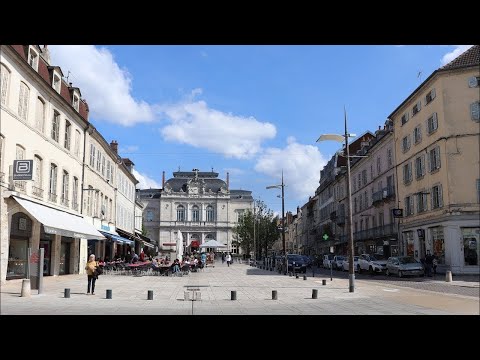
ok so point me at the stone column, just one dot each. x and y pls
(5, 223)
(453, 248)
(83, 255)
(56, 244)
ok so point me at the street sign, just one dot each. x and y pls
(22, 169)
(325, 237)
(397, 213)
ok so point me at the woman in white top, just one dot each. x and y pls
(229, 259)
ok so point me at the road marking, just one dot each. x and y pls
(390, 290)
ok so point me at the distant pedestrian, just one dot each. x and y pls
(229, 259)
(434, 264)
(428, 264)
(91, 267)
(223, 258)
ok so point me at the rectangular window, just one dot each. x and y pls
(108, 169)
(371, 171)
(471, 237)
(389, 158)
(89, 200)
(435, 159)
(430, 96)
(75, 193)
(55, 125)
(68, 131)
(379, 166)
(407, 173)
(432, 123)
(75, 102)
(65, 188)
(475, 111)
(365, 195)
(40, 115)
(406, 143)
(364, 177)
(99, 160)
(359, 181)
(33, 59)
(417, 134)
(77, 143)
(4, 83)
(416, 108)
(409, 205)
(56, 83)
(103, 165)
(149, 215)
(92, 155)
(355, 205)
(438, 241)
(420, 166)
(437, 197)
(37, 175)
(110, 209)
(53, 180)
(23, 101)
(405, 118)
(421, 202)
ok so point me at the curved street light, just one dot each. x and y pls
(282, 186)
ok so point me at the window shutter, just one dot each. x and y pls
(20, 101)
(432, 198)
(435, 121)
(411, 204)
(472, 82)
(475, 110)
(437, 158)
(423, 164)
(433, 94)
(440, 196)
(419, 105)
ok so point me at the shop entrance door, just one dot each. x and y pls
(64, 258)
(47, 253)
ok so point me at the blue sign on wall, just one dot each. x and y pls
(106, 227)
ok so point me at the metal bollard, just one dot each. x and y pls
(448, 276)
(296, 276)
(66, 293)
(314, 294)
(313, 272)
(324, 282)
(150, 295)
(26, 288)
(304, 277)
(109, 294)
(289, 274)
(274, 295)
(233, 295)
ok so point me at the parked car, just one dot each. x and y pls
(327, 260)
(308, 261)
(337, 262)
(346, 263)
(371, 263)
(296, 262)
(403, 266)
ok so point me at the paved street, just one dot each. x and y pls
(254, 287)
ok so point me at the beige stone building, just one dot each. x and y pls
(436, 137)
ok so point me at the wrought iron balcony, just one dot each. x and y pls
(36, 191)
(387, 193)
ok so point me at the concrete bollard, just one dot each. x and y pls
(314, 294)
(304, 277)
(26, 289)
(66, 293)
(448, 276)
(274, 295)
(150, 295)
(296, 276)
(233, 295)
(324, 282)
(109, 294)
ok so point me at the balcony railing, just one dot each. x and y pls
(52, 197)
(20, 185)
(376, 232)
(385, 194)
(64, 201)
(36, 191)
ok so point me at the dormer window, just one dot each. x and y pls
(56, 82)
(33, 58)
(75, 102)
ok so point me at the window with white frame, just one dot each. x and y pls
(40, 114)
(420, 166)
(416, 108)
(417, 134)
(180, 213)
(103, 165)
(371, 171)
(359, 177)
(475, 111)
(389, 158)
(210, 213)
(65, 181)
(75, 193)
(430, 96)
(96, 204)
(432, 123)
(364, 177)
(99, 160)
(37, 172)
(405, 118)
(421, 202)
(379, 165)
(89, 200)
(23, 99)
(68, 135)
(435, 159)
(437, 197)
(365, 195)
(195, 213)
(105, 208)
(240, 215)
(4, 84)
(57, 83)
(108, 169)
(407, 173)
(53, 181)
(77, 143)
(33, 58)
(55, 125)
(75, 102)
(19, 152)
(409, 205)
(406, 143)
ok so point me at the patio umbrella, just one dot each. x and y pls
(212, 244)
(179, 245)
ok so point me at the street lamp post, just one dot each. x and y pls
(282, 186)
(342, 138)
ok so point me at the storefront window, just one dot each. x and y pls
(438, 243)
(17, 259)
(408, 236)
(471, 245)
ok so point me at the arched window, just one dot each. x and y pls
(23, 101)
(209, 237)
(55, 125)
(180, 213)
(195, 213)
(210, 214)
(39, 114)
(4, 83)
(20, 152)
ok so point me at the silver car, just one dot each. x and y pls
(403, 266)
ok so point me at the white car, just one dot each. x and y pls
(355, 263)
(371, 263)
(327, 260)
(337, 262)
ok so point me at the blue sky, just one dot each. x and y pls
(249, 110)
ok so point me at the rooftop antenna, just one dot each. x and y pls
(178, 168)
(212, 168)
(419, 75)
(68, 75)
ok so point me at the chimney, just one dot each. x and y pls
(46, 54)
(298, 209)
(228, 181)
(163, 179)
(70, 84)
(114, 146)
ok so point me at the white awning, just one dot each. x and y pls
(60, 222)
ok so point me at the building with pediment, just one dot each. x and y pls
(198, 205)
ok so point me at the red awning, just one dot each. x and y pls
(194, 243)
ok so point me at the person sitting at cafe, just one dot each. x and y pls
(142, 256)
(134, 258)
(175, 266)
(155, 264)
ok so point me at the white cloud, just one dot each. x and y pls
(459, 49)
(128, 149)
(145, 182)
(194, 123)
(301, 166)
(104, 85)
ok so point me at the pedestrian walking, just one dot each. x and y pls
(229, 259)
(91, 267)
(223, 258)
(434, 264)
